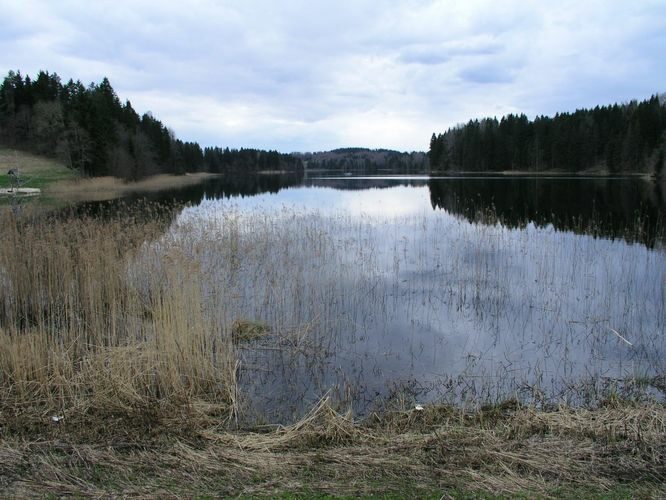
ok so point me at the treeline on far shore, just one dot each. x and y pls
(619, 138)
(92, 132)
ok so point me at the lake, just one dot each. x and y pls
(418, 289)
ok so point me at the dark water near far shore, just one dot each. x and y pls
(615, 207)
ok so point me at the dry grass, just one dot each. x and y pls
(108, 188)
(81, 336)
(433, 452)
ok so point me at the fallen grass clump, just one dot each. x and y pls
(244, 330)
(615, 451)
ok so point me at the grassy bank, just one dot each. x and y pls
(60, 184)
(35, 171)
(616, 451)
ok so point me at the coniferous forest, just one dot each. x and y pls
(91, 131)
(618, 138)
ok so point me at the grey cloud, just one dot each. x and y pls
(427, 57)
(487, 74)
(433, 54)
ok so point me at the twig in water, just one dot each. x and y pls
(621, 337)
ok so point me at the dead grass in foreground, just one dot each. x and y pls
(87, 332)
(618, 450)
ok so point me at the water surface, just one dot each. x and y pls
(466, 290)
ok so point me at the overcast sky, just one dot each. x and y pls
(313, 75)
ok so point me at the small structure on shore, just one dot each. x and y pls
(15, 183)
(14, 174)
(20, 191)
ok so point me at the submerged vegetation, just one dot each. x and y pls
(243, 330)
(125, 369)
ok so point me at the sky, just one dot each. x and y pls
(312, 75)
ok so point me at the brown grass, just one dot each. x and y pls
(108, 188)
(81, 335)
(617, 450)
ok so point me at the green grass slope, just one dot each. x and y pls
(34, 171)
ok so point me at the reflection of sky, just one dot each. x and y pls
(395, 201)
(396, 291)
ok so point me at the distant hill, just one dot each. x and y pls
(364, 160)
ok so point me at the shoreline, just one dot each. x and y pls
(430, 451)
(107, 188)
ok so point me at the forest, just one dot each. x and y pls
(92, 132)
(367, 161)
(619, 138)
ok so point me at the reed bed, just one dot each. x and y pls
(79, 336)
(429, 303)
(110, 188)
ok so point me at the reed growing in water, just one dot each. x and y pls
(80, 334)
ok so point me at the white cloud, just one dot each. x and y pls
(301, 75)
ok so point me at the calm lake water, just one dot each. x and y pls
(465, 290)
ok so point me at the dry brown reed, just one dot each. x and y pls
(322, 426)
(80, 335)
(109, 188)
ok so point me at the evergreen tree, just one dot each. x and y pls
(619, 138)
(91, 131)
